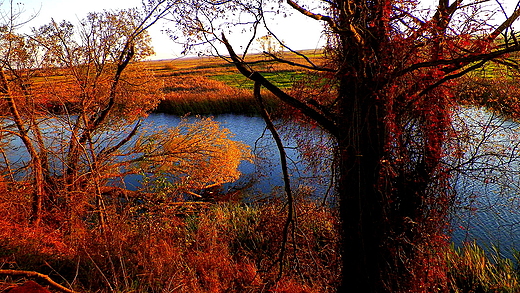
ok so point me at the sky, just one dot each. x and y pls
(309, 34)
(74, 10)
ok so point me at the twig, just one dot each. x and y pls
(287, 183)
(32, 274)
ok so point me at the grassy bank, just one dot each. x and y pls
(193, 247)
(471, 269)
(197, 94)
(213, 86)
(223, 247)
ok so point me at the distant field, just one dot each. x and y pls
(214, 86)
(205, 85)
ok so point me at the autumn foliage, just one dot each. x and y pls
(79, 105)
(383, 92)
(218, 248)
(194, 155)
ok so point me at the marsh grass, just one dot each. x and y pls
(198, 94)
(213, 86)
(190, 85)
(500, 94)
(222, 247)
(225, 247)
(471, 269)
(284, 79)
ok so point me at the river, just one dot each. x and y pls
(486, 177)
(487, 181)
(252, 131)
(249, 129)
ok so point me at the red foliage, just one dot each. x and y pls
(287, 285)
(29, 287)
(404, 71)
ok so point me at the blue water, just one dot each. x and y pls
(246, 129)
(486, 177)
(487, 181)
(252, 131)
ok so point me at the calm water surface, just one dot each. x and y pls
(487, 182)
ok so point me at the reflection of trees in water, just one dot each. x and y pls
(309, 158)
(486, 166)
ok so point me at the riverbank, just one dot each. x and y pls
(211, 86)
(187, 247)
(223, 247)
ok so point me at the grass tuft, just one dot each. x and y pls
(471, 269)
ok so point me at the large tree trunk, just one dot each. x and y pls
(360, 150)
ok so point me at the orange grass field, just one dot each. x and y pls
(210, 85)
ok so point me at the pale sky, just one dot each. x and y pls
(297, 31)
(74, 10)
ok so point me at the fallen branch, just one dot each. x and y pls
(39, 276)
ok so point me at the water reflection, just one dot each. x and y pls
(484, 157)
(486, 180)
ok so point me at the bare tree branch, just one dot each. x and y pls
(326, 122)
(32, 274)
(459, 61)
(285, 170)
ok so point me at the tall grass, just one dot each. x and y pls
(193, 86)
(471, 269)
(202, 247)
(226, 247)
(213, 86)
(495, 89)
(195, 94)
